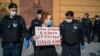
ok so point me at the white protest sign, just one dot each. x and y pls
(47, 36)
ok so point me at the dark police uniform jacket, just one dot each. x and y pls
(71, 33)
(96, 27)
(34, 23)
(86, 25)
(12, 29)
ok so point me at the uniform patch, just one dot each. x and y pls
(14, 24)
(75, 27)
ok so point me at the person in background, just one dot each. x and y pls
(72, 37)
(96, 28)
(12, 29)
(87, 27)
(79, 19)
(34, 23)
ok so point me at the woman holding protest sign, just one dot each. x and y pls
(45, 50)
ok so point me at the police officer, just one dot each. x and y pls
(96, 28)
(12, 28)
(35, 22)
(71, 33)
(87, 27)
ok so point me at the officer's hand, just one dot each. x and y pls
(2, 44)
(82, 46)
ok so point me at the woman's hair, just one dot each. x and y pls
(44, 16)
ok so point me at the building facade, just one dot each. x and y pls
(58, 8)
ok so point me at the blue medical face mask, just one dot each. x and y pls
(50, 22)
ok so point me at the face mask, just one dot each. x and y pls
(13, 13)
(49, 22)
(86, 16)
(39, 16)
(69, 20)
(97, 18)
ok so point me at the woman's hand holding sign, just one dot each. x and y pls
(34, 37)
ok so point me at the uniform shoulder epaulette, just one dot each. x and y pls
(63, 21)
(6, 16)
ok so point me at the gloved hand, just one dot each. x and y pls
(26, 36)
(82, 46)
(33, 40)
(26, 43)
(2, 43)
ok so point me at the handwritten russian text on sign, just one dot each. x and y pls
(47, 36)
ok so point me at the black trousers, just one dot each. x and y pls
(11, 49)
(71, 50)
(96, 34)
(36, 51)
(45, 51)
(87, 34)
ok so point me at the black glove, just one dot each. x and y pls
(2, 44)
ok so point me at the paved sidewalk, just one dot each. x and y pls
(92, 49)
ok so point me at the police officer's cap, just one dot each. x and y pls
(12, 5)
(40, 11)
(96, 15)
(69, 13)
